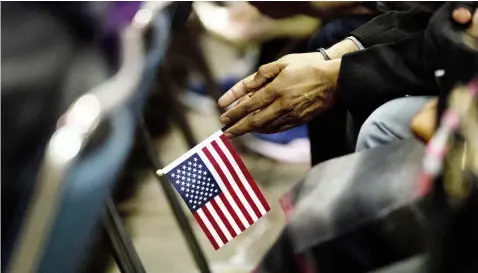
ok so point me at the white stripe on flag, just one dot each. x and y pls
(219, 221)
(228, 215)
(243, 179)
(227, 194)
(194, 150)
(209, 226)
(232, 182)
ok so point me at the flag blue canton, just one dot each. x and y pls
(194, 182)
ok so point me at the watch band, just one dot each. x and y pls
(324, 53)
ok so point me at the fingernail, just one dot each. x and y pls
(220, 101)
(229, 135)
(225, 120)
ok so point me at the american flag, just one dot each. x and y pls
(218, 189)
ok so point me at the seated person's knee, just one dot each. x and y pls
(390, 122)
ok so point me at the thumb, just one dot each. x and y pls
(463, 10)
(254, 82)
(461, 15)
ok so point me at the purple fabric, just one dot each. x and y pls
(287, 136)
(121, 14)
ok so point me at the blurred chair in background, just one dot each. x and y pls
(51, 206)
(55, 189)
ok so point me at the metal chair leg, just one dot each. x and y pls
(123, 249)
(185, 226)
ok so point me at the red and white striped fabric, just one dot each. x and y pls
(218, 189)
(437, 146)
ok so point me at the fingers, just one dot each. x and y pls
(259, 100)
(280, 124)
(472, 31)
(423, 124)
(431, 104)
(461, 15)
(255, 121)
(236, 92)
(463, 10)
(251, 83)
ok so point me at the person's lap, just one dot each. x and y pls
(345, 133)
(390, 122)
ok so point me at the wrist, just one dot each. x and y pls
(316, 57)
(334, 68)
(342, 48)
(324, 54)
(331, 71)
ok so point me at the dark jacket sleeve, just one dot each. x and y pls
(390, 67)
(449, 46)
(378, 74)
(383, 72)
(403, 22)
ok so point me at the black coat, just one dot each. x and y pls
(403, 50)
(404, 47)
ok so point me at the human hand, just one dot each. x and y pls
(285, 93)
(465, 17)
(424, 123)
(462, 15)
(468, 16)
(451, 41)
(455, 38)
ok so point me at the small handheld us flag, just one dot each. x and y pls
(217, 188)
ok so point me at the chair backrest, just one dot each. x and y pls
(84, 156)
(47, 62)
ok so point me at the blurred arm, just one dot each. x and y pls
(319, 9)
(331, 9)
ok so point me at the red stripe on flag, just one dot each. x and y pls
(236, 179)
(232, 212)
(214, 224)
(206, 231)
(223, 218)
(228, 186)
(246, 173)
